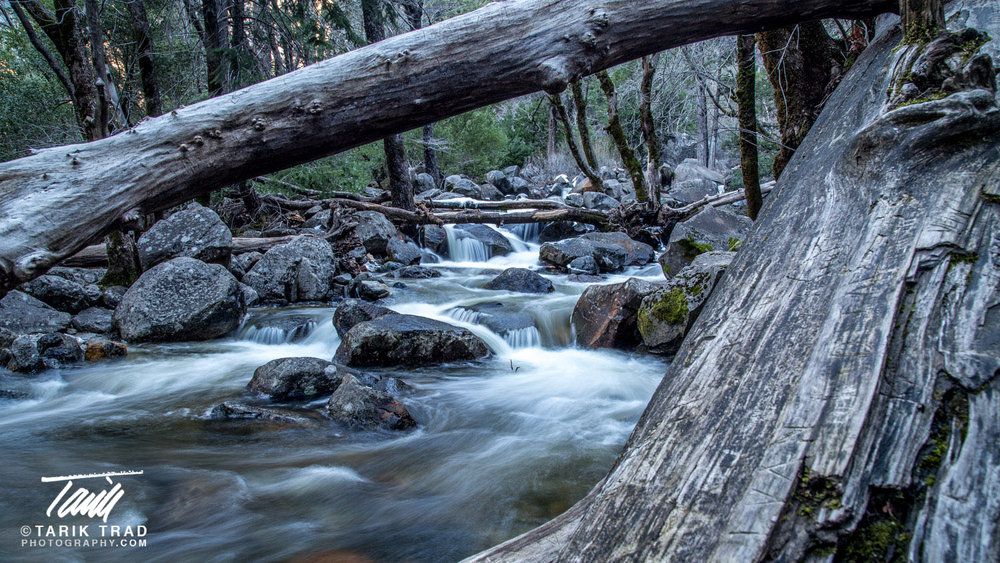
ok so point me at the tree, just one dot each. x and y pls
(922, 19)
(652, 175)
(318, 111)
(586, 166)
(147, 67)
(414, 14)
(746, 96)
(614, 129)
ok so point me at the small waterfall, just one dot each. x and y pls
(283, 333)
(465, 315)
(527, 232)
(528, 337)
(465, 249)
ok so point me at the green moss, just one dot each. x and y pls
(734, 244)
(671, 308)
(989, 198)
(928, 98)
(692, 248)
(812, 492)
(873, 541)
(952, 412)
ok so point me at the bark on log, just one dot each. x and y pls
(501, 51)
(847, 386)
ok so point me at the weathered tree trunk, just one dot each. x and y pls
(839, 400)
(704, 135)
(359, 97)
(629, 160)
(414, 14)
(147, 67)
(580, 101)
(593, 175)
(237, 42)
(112, 115)
(652, 174)
(800, 64)
(746, 99)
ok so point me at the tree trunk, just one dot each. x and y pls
(553, 136)
(746, 99)
(800, 65)
(144, 45)
(215, 47)
(652, 174)
(922, 19)
(238, 41)
(112, 115)
(356, 98)
(704, 135)
(629, 160)
(593, 175)
(840, 399)
(580, 101)
(414, 14)
(33, 38)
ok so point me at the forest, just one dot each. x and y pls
(524, 280)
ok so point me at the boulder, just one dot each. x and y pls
(243, 263)
(353, 311)
(181, 299)
(575, 200)
(423, 183)
(609, 257)
(23, 314)
(250, 295)
(638, 253)
(24, 355)
(520, 280)
(194, 232)
(606, 315)
(320, 221)
(361, 406)
(501, 318)
(561, 230)
(368, 289)
(691, 191)
(94, 319)
(712, 229)
(235, 411)
(404, 252)
(374, 231)
(584, 265)
(500, 180)
(33, 352)
(61, 293)
(82, 276)
(294, 379)
(666, 314)
(462, 186)
(113, 296)
(691, 170)
(520, 186)
(496, 244)
(100, 349)
(600, 202)
(436, 239)
(300, 270)
(416, 272)
(395, 339)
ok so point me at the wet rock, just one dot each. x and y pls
(606, 315)
(404, 252)
(361, 406)
(62, 294)
(294, 379)
(301, 270)
(24, 355)
(368, 289)
(182, 299)
(33, 352)
(113, 296)
(391, 385)
(374, 231)
(353, 311)
(243, 263)
(496, 244)
(520, 280)
(666, 314)
(100, 349)
(501, 318)
(396, 339)
(584, 278)
(712, 229)
(231, 410)
(584, 265)
(194, 232)
(416, 272)
(436, 239)
(250, 295)
(561, 230)
(500, 180)
(94, 319)
(639, 254)
(600, 202)
(23, 314)
(423, 182)
(609, 257)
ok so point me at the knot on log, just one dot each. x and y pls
(214, 133)
(258, 123)
(314, 107)
(30, 265)
(554, 75)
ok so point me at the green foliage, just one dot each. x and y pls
(474, 142)
(692, 249)
(350, 171)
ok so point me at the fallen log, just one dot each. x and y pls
(96, 256)
(504, 50)
(839, 396)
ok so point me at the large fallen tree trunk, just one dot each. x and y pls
(839, 396)
(53, 203)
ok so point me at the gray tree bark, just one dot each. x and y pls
(501, 51)
(840, 399)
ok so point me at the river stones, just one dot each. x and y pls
(520, 280)
(609, 257)
(182, 299)
(496, 244)
(712, 229)
(300, 270)
(294, 379)
(374, 231)
(62, 294)
(94, 319)
(666, 314)
(395, 339)
(236, 411)
(100, 349)
(34, 352)
(23, 314)
(194, 232)
(605, 315)
(637, 253)
(358, 405)
(350, 312)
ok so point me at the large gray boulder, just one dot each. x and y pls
(181, 299)
(358, 405)
(500, 180)
(395, 339)
(690, 169)
(194, 232)
(712, 229)
(351, 312)
(34, 352)
(374, 231)
(94, 319)
(637, 253)
(501, 318)
(666, 314)
(520, 280)
(605, 315)
(609, 257)
(496, 244)
(23, 314)
(295, 379)
(600, 202)
(300, 270)
(423, 183)
(62, 293)
(404, 252)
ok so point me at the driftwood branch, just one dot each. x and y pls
(504, 50)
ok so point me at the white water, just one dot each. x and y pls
(503, 445)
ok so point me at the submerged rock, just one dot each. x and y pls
(395, 339)
(416, 272)
(277, 329)
(520, 280)
(667, 313)
(101, 349)
(23, 314)
(608, 257)
(194, 232)
(353, 311)
(496, 244)
(358, 405)
(605, 315)
(231, 410)
(182, 299)
(301, 270)
(295, 378)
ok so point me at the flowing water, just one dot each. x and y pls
(502, 445)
